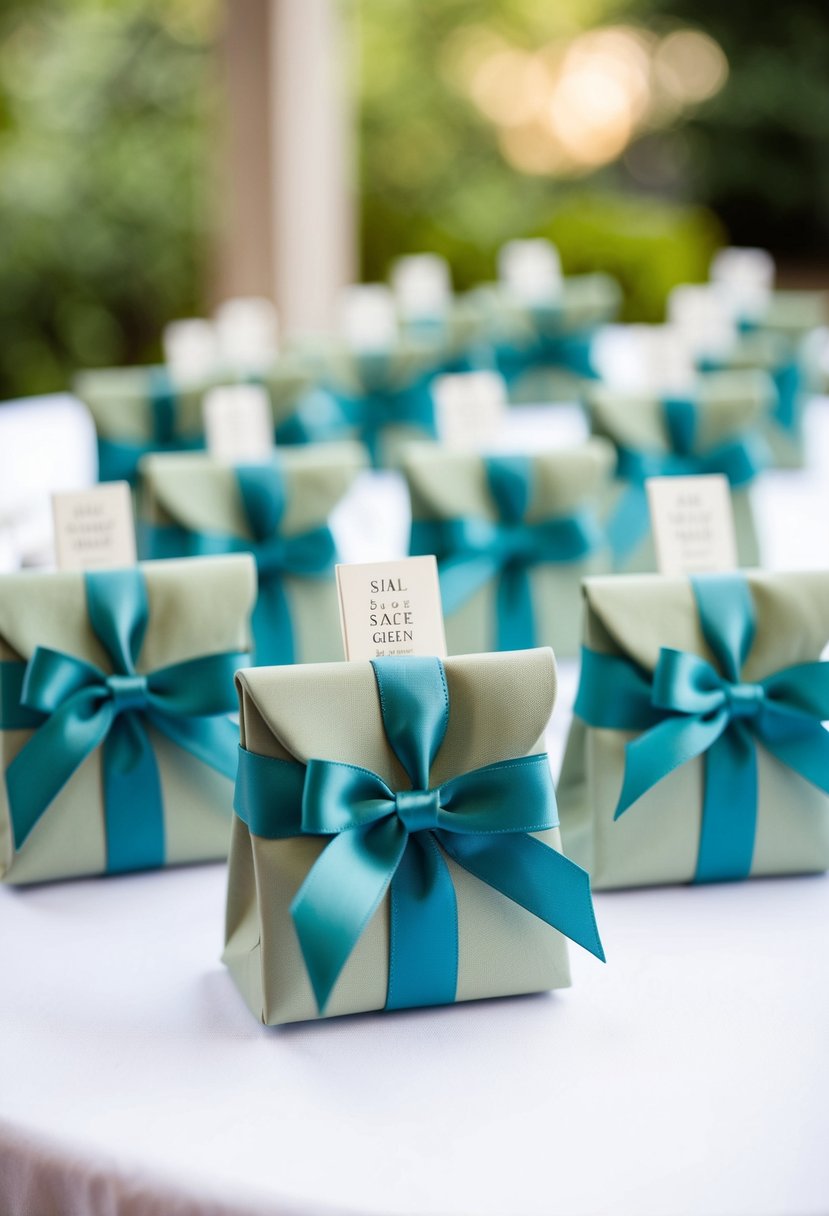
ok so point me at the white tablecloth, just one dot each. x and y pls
(688, 1075)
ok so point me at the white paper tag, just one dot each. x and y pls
(470, 409)
(693, 524)
(391, 608)
(94, 528)
(238, 423)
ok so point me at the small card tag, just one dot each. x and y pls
(238, 424)
(470, 409)
(391, 608)
(693, 524)
(94, 528)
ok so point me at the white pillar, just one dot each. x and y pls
(311, 169)
(289, 207)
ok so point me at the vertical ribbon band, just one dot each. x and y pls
(118, 459)
(690, 709)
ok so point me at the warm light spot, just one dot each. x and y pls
(690, 66)
(532, 149)
(591, 113)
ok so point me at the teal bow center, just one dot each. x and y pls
(744, 700)
(270, 556)
(418, 810)
(128, 692)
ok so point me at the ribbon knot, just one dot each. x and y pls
(269, 556)
(129, 692)
(744, 700)
(418, 810)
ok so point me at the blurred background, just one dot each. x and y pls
(159, 155)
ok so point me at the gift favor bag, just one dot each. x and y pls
(116, 744)
(514, 536)
(278, 511)
(137, 410)
(715, 430)
(395, 840)
(697, 752)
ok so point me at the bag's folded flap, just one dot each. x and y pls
(728, 404)
(197, 606)
(198, 492)
(119, 399)
(451, 485)
(499, 707)
(636, 615)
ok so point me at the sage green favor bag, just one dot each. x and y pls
(514, 536)
(191, 504)
(696, 752)
(346, 896)
(715, 429)
(138, 410)
(117, 745)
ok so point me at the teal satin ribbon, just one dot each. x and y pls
(688, 708)
(84, 707)
(381, 840)
(118, 458)
(739, 459)
(308, 554)
(472, 552)
(385, 402)
(787, 378)
(548, 347)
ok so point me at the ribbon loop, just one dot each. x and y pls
(418, 810)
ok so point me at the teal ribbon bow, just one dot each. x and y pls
(548, 346)
(381, 840)
(690, 708)
(278, 556)
(385, 402)
(472, 552)
(80, 707)
(118, 458)
(739, 459)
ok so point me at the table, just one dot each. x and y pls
(688, 1076)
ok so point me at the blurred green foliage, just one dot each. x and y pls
(104, 180)
(759, 150)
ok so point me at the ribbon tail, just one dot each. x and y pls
(273, 630)
(423, 937)
(652, 756)
(461, 577)
(629, 522)
(537, 877)
(729, 809)
(42, 768)
(213, 740)
(515, 616)
(339, 896)
(133, 801)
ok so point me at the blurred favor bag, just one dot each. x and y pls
(137, 410)
(395, 841)
(514, 536)
(697, 752)
(713, 430)
(116, 686)
(193, 504)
